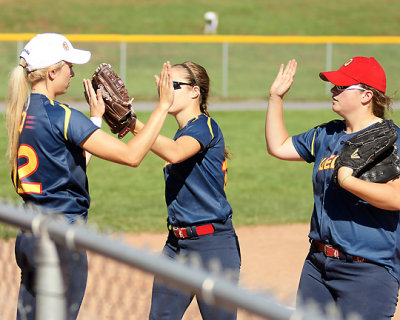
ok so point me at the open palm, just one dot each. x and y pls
(284, 79)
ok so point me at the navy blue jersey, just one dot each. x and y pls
(51, 164)
(340, 218)
(195, 188)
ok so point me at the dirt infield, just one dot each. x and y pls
(272, 258)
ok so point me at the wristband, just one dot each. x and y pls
(97, 121)
(341, 183)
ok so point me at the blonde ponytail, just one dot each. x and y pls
(18, 92)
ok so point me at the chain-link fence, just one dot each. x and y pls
(114, 290)
(240, 67)
(120, 276)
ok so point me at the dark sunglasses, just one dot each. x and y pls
(352, 87)
(177, 84)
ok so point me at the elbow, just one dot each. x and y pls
(273, 152)
(135, 164)
(172, 158)
(134, 161)
(270, 151)
(176, 158)
(173, 161)
(395, 207)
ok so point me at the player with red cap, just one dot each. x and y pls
(354, 257)
(358, 70)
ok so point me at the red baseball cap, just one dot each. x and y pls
(358, 70)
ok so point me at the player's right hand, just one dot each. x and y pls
(94, 99)
(283, 80)
(165, 86)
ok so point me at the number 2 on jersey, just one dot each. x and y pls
(25, 170)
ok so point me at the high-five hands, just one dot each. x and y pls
(283, 80)
(94, 99)
(165, 85)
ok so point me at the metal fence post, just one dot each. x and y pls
(50, 293)
(123, 61)
(20, 46)
(225, 56)
(328, 66)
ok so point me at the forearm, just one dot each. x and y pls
(97, 120)
(147, 134)
(275, 130)
(279, 143)
(381, 195)
(166, 149)
(170, 150)
(159, 145)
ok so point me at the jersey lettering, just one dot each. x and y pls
(27, 169)
(327, 163)
(225, 169)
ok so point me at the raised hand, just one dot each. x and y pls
(284, 79)
(94, 99)
(165, 86)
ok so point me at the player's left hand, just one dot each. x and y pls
(94, 99)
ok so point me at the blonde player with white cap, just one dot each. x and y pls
(46, 148)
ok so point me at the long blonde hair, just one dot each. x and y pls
(19, 89)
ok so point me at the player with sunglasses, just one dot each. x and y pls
(354, 257)
(199, 215)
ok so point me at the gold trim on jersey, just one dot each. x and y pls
(66, 120)
(312, 144)
(209, 126)
(67, 116)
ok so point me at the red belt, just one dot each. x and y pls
(187, 232)
(330, 251)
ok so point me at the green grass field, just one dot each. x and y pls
(275, 17)
(251, 66)
(261, 189)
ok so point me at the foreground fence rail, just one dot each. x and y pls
(208, 286)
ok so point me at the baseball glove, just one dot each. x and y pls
(372, 154)
(118, 114)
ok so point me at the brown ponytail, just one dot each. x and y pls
(381, 103)
(198, 76)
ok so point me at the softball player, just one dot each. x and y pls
(199, 215)
(353, 261)
(47, 144)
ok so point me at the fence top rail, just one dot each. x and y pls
(169, 38)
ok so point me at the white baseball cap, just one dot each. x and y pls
(46, 49)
